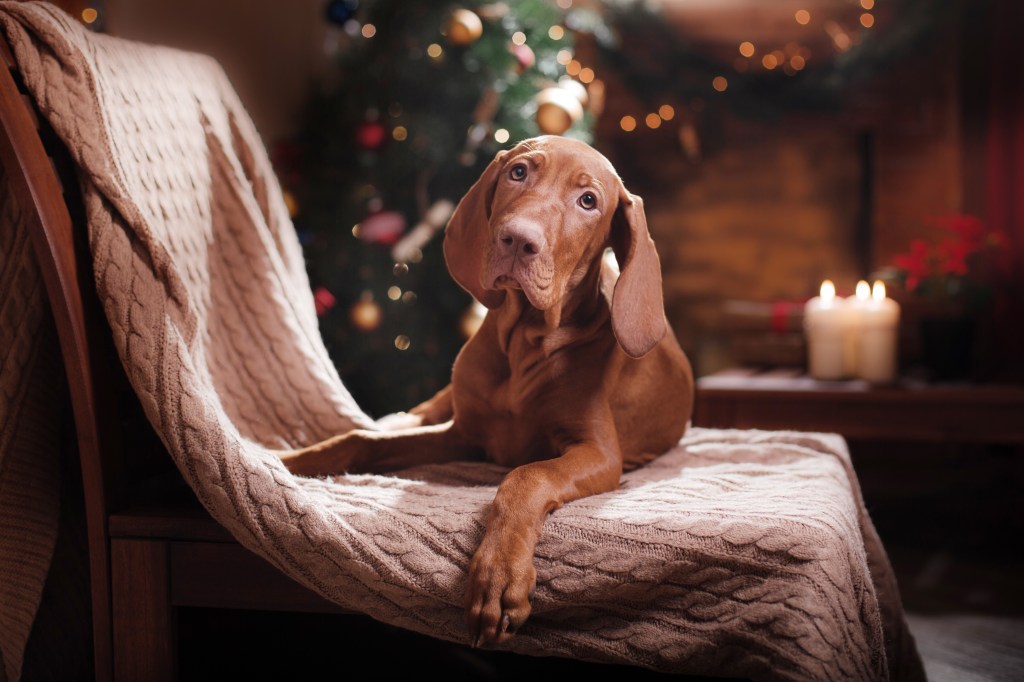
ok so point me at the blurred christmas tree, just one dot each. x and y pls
(425, 94)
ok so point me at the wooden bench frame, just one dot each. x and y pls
(152, 548)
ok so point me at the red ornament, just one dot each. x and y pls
(525, 58)
(324, 300)
(385, 227)
(371, 135)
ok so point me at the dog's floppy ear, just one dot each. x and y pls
(638, 307)
(465, 238)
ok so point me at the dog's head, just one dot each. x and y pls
(540, 218)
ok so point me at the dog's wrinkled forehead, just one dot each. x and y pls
(571, 156)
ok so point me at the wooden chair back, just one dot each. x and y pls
(40, 173)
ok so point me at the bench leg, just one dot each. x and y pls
(145, 646)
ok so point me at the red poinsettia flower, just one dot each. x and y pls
(952, 256)
(915, 263)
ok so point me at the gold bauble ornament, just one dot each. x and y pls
(366, 314)
(578, 90)
(557, 110)
(464, 27)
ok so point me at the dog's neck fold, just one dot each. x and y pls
(583, 310)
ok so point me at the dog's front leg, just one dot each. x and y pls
(381, 451)
(501, 574)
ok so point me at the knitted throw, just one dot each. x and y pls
(738, 553)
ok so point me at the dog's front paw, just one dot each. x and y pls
(501, 584)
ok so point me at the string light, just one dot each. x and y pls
(720, 83)
(747, 48)
(586, 75)
(867, 20)
(394, 293)
(653, 121)
(501, 136)
(563, 57)
(518, 38)
(556, 33)
(867, 4)
(769, 61)
(434, 51)
(402, 342)
(627, 123)
(797, 62)
(666, 112)
(573, 68)
(369, 30)
(803, 17)
(90, 15)
(400, 133)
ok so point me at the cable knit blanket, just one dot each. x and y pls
(739, 553)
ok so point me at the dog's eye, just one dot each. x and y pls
(518, 172)
(588, 201)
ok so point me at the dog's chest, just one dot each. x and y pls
(507, 410)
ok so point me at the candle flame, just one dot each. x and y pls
(863, 291)
(828, 291)
(878, 290)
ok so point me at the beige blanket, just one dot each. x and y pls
(738, 553)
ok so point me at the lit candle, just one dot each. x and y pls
(876, 351)
(825, 325)
(854, 321)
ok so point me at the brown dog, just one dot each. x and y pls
(573, 376)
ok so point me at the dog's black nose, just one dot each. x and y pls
(521, 240)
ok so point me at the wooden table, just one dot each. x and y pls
(907, 411)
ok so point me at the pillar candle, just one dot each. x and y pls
(876, 351)
(855, 313)
(825, 325)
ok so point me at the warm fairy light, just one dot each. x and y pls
(518, 38)
(803, 17)
(434, 50)
(355, 230)
(90, 15)
(563, 57)
(827, 292)
(769, 61)
(797, 62)
(863, 291)
(867, 20)
(627, 123)
(369, 30)
(409, 297)
(501, 136)
(402, 342)
(586, 74)
(394, 293)
(573, 68)
(556, 33)
(747, 48)
(720, 83)
(399, 133)
(867, 4)
(400, 270)
(839, 37)
(878, 290)
(666, 112)
(653, 121)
